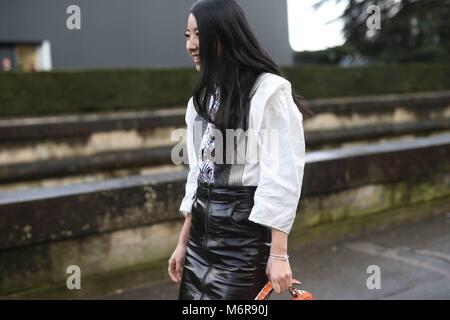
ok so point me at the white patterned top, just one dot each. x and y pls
(207, 147)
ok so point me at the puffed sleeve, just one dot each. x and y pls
(281, 151)
(191, 182)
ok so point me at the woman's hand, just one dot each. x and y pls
(279, 271)
(280, 274)
(176, 262)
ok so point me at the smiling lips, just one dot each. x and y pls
(196, 59)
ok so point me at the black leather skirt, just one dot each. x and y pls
(226, 256)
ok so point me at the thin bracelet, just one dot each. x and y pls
(279, 257)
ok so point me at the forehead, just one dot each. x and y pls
(192, 22)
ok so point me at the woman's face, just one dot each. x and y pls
(192, 41)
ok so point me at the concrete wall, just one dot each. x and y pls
(132, 222)
(138, 33)
(81, 147)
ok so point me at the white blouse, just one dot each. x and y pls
(280, 158)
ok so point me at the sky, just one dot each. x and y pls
(308, 28)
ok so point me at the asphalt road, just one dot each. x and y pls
(412, 261)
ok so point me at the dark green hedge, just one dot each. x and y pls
(105, 90)
(330, 81)
(85, 91)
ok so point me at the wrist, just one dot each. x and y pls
(278, 252)
(187, 215)
(182, 244)
(282, 257)
(279, 243)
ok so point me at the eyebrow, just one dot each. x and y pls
(196, 29)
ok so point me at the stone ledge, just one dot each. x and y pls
(56, 127)
(59, 213)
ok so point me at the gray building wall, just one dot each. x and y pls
(134, 33)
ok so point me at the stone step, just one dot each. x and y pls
(117, 224)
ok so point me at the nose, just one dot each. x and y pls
(192, 44)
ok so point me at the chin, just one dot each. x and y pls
(197, 67)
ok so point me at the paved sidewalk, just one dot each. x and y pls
(413, 259)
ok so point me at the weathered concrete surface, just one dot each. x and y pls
(42, 215)
(83, 125)
(79, 178)
(101, 256)
(335, 120)
(120, 224)
(332, 138)
(134, 158)
(37, 216)
(100, 162)
(414, 260)
(347, 112)
(106, 258)
(35, 149)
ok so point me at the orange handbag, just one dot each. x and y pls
(297, 294)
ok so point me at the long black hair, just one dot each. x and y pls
(231, 61)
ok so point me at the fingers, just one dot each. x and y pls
(288, 282)
(268, 272)
(276, 286)
(175, 269)
(176, 264)
(179, 270)
(282, 284)
(280, 276)
(172, 270)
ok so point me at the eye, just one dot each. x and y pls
(186, 35)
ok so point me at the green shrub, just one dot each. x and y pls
(137, 89)
(332, 81)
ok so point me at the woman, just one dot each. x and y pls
(237, 214)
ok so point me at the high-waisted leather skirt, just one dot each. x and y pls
(226, 256)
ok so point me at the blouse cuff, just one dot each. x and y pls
(271, 225)
(186, 205)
